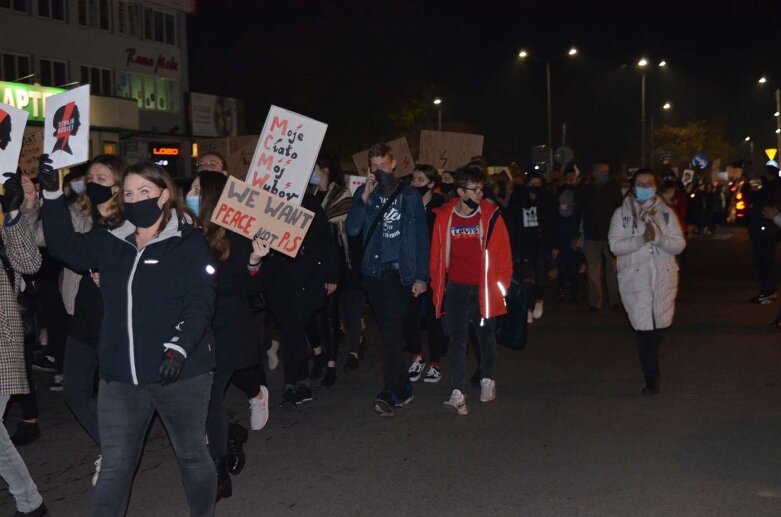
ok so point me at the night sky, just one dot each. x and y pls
(355, 64)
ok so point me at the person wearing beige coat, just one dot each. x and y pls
(645, 235)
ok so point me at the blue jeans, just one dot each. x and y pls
(14, 471)
(124, 413)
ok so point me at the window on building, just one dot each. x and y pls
(128, 18)
(16, 5)
(15, 68)
(150, 92)
(54, 9)
(53, 73)
(95, 13)
(159, 26)
(100, 79)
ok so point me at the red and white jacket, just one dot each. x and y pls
(496, 263)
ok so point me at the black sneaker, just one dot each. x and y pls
(764, 299)
(318, 366)
(330, 376)
(44, 363)
(289, 398)
(26, 433)
(237, 436)
(406, 396)
(475, 379)
(303, 393)
(352, 363)
(385, 403)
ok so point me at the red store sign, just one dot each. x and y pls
(156, 64)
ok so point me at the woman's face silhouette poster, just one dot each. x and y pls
(12, 123)
(66, 129)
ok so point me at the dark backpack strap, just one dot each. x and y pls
(379, 216)
(491, 224)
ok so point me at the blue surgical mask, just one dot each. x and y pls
(643, 194)
(78, 186)
(314, 179)
(194, 204)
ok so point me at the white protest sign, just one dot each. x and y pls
(448, 151)
(12, 122)
(66, 128)
(353, 182)
(399, 148)
(286, 153)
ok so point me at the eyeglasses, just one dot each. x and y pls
(475, 190)
(210, 164)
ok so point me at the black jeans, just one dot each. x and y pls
(764, 248)
(81, 367)
(55, 318)
(423, 305)
(324, 327)
(533, 269)
(217, 420)
(292, 334)
(648, 342)
(124, 413)
(351, 307)
(389, 298)
(462, 306)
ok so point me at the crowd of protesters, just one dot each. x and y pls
(155, 309)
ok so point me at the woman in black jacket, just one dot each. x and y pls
(156, 351)
(238, 264)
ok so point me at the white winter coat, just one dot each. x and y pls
(647, 271)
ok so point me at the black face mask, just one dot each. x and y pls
(668, 183)
(98, 194)
(143, 214)
(447, 188)
(471, 203)
(387, 181)
(422, 190)
(533, 190)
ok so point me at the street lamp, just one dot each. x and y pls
(667, 106)
(763, 80)
(662, 63)
(642, 63)
(438, 104)
(747, 139)
(523, 54)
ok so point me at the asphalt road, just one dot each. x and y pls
(569, 434)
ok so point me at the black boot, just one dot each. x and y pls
(330, 376)
(224, 485)
(237, 436)
(651, 386)
(26, 433)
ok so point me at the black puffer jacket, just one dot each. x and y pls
(159, 297)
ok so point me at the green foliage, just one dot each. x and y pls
(684, 142)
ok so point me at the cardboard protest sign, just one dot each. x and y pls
(448, 151)
(12, 123)
(405, 164)
(286, 153)
(237, 150)
(251, 211)
(32, 149)
(66, 128)
(353, 182)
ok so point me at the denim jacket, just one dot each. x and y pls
(413, 255)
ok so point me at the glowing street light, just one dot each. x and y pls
(762, 80)
(778, 131)
(572, 51)
(776, 114)
(438, 104)
(747, 139)
(437, 101)
(662, 63)
(667, 106)
(523, 54)
(643, 62)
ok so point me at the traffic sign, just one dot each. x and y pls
(771, 153)
(700, 161)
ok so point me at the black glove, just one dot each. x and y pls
(171, 367)
(14, 194)
(47, 176)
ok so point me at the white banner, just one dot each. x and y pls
(286, 153)
(353, 182)
(66, 128)
(12, 123)
(212, 115)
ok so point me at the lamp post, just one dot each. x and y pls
(523, 54)
(763, 80)
(438, 104)
(750, 147)
(642, 64)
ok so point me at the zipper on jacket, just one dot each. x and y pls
(131, 344)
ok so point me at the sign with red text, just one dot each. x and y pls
(12, 123)
(66, 128)
(286, 153)
(405, 164)
(251, 211)
(32, 149)
(448, 151)
(353, 182)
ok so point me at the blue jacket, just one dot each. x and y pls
(413, 255)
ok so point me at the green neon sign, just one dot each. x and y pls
(28, 97)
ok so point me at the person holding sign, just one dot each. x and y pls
(238, 263)
(156, 350)
(392, 220)
(212, 161)
(20, 257)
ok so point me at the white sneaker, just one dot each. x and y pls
(458, 401)
(537, 314)
(416, 370)
(258, 410)
(97, 471)
(433, 375)
(529, 317)
(273, 357)
(487, 390)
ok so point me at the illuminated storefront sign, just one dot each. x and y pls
(28, 97)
